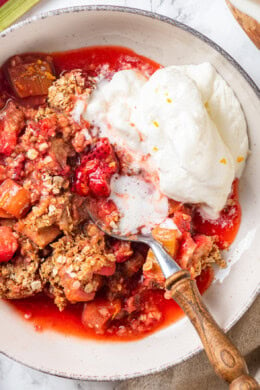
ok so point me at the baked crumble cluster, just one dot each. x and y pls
(49, 166)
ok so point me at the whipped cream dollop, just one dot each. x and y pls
(183, 126)
(132, 193)
(111, 107)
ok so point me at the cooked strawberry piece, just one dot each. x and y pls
(97, 314)
(14, 199)
(90, 166)
(97, 167)
(98, 184)
(82, 176)
(8, 244)
(103, 149)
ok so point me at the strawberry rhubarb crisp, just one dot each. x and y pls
(154, 149)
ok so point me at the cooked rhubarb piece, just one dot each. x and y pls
(14, 199)
(74, 291)
(30, 79)
(8, 244)
(182, 220)
(41, 237)
(97, 314)
(4, 214)
(12, 121)
(169, 239)
(107, 270)
(186, 251)
(47, 220)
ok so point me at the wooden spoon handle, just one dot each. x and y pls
(222, 354)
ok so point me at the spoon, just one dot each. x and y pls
(224, 357)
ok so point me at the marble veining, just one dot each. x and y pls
(212, 18)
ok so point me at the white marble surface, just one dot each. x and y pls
(210, 17)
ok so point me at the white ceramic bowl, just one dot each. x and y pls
(167, 42)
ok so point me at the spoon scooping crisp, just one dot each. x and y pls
(222, 354)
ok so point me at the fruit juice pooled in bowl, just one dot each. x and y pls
(151, 149)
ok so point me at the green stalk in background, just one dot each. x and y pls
(13, 10)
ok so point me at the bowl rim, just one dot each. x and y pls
(210, 42)
(136, 11)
